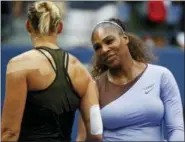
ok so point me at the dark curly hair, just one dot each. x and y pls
(138, 51)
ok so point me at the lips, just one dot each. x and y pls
(109, 57)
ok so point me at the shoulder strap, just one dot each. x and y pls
(66, 62)
(48, 59)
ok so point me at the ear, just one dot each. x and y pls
(126, 39)
(28, 26)
(60, 28)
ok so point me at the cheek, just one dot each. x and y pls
(122, 49)
(118, 59)
(116, 45)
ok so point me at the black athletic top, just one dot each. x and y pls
(49, 113)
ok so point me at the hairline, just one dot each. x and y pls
(98, 25)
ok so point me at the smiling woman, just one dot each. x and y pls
(110, 33)
(135, 96)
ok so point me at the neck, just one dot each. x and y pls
(125, 75)
(125, 70)
(48, 41)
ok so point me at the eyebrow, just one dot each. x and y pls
(108, 37)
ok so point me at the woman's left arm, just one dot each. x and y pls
(14, 103)
(173, 110)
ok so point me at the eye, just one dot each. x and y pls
(110, 41)
(97, 46)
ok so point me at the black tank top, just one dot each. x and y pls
(49, 113)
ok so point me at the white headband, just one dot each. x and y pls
(111, 22)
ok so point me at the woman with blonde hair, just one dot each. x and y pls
(45, 86)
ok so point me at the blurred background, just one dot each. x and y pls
(160, 24)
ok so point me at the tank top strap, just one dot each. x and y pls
(58, 56)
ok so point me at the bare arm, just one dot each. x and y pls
(14, 104)
(90, 100)
(81, 134)
(89, 106)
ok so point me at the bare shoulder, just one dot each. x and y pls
(77, 67)
(79, 75)
(24, 55)
(21, 63)
(73, 60)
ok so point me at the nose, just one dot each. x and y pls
(105, 49)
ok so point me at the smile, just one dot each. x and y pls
(110, 58)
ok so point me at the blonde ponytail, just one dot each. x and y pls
(44, 23)
(48, 16)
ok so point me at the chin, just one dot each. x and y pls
(114, 64)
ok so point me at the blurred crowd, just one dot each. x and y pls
(158, 23)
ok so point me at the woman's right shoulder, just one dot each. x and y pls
(76, 68)
(73, 59)
(75, 64)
